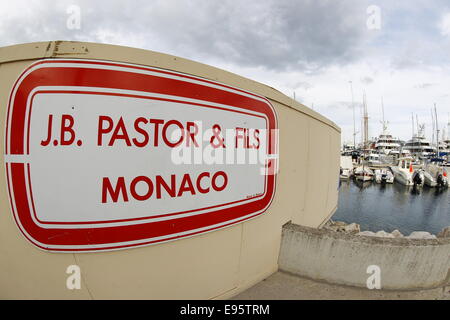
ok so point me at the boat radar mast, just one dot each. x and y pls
(384, 123)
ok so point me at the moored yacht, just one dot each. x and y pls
(446, 143)
(405, 174)
(435, 175)
(419, 146)
(444, 149)
(363, 173)
(384, 176)
(387, 144)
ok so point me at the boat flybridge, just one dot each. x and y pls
(405, 153)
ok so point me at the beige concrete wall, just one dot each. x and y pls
(343, 258)
(214, 265)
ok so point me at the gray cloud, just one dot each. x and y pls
(423, 85)
(303, 85)
(275, 34)
(366, 80)
(345, 105)
(283, 43)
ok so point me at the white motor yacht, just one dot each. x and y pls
(429, 178)
(405, 174)
(435, 174)
(444, 149)
(384, 176)
(419, 146)
(387, 144)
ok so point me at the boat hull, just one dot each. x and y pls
(364, 178)
(402, 177)
(429, 180)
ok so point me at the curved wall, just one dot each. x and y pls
(217, 264)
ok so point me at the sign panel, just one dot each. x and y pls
(103, 155)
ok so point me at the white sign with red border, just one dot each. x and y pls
(90, 148)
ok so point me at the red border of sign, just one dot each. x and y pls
(117, 237)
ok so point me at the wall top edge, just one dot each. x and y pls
(308, 231)
(88, 50)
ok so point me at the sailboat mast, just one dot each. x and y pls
(417, 122)
(448, 128)
(433, 121)
(354, 121)
(362, 122)
(382, 108)
(437, 129)
(366, 123)
(447, 137)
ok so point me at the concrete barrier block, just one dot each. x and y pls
(343, 258)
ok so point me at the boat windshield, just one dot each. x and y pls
(405, 164)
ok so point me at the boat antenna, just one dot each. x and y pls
(366, 122)
(383, 122)
(354, 123)
(437, 129)
(417, 121)
(433, 123)
(361, 113)
(448, 127)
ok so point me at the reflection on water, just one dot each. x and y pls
(393, 206)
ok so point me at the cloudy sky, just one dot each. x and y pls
(312, 48)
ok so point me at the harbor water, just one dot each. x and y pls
(393, 206)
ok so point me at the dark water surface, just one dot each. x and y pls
(393, 206)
